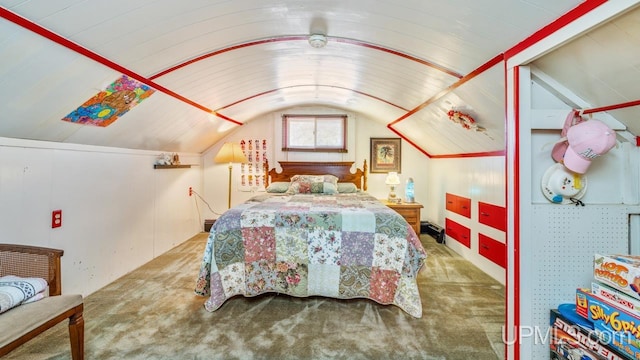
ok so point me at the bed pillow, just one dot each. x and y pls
(278, 187)
(347, 188)
(313, 184)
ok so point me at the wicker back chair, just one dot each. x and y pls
(26, 321)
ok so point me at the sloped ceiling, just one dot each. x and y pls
(601, 69)
(219, 64)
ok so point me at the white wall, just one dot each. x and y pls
(558, 242)
(118, 212)
(480, 179)
(268, 126)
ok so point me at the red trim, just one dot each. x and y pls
(285, 128)
(409, 141)
(29, 25)
(489, 64)
(224, 50)
(468, 155)
(480, 154)
(506, 196)
(403, 55)
(314, 85)
(612, 107)
(516, 212)
(549, 29)
(227, 118)
(556, 25)
(305, 38)
(452, 87)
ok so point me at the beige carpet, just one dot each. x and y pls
(152, 313)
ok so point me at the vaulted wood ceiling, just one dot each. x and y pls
(216, 65)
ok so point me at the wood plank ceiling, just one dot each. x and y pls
(219, 64)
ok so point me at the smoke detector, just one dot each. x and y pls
(317, 40)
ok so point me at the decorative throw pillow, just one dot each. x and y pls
(313, 184)
(16, 290)
(347, 188)
(278, 187)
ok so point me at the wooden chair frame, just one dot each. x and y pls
(35, 261)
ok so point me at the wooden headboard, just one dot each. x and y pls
(340, 169)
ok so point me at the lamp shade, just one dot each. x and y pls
(230, 153)
(392, 179)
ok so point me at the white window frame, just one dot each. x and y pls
(289, 120)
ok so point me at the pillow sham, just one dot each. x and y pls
(278, 187)
(347, 188)
(313, 184)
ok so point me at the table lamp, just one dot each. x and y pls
(392, 180)
(230, 153)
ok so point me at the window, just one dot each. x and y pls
(318, 133)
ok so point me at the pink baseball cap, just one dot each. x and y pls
(573, 118)
(587, 141)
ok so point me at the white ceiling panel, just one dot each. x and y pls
(602, 67)
(482, 100)
(246, 58)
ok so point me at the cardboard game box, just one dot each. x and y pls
(615, 327)
(569, 341)
(615, 297)
(621, 272)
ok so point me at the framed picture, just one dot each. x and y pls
(385, 155)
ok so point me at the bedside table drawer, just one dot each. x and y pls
(411, 215)
(409, 211)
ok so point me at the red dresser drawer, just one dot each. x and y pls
(451, 202)
(492, 215)
(458, 232)
(465, 207)
(458, 204)
(493, 250)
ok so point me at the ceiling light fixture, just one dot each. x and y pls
(317, 40)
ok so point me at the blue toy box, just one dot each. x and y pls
(571, 341)
(614, 326)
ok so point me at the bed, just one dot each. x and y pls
(313, 241)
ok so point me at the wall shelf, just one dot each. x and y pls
(171, 166)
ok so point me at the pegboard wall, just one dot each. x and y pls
(565, 240)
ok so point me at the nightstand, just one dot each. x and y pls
(409, 211)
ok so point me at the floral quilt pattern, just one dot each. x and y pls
(340, 246)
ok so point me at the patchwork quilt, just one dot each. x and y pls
(340, 246)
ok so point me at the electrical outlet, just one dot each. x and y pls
(190, 191)
(56, 219)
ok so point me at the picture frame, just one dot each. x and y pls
(386, 155)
